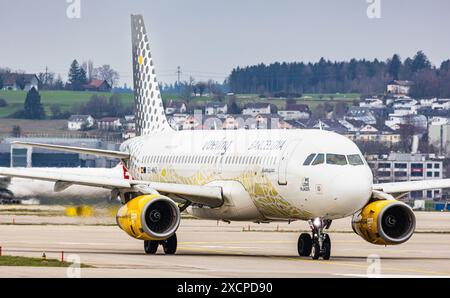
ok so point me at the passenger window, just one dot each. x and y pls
(336, 159)
(355, 160)
(320, 159)
(309, 159)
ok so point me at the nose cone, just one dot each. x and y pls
(351, 190)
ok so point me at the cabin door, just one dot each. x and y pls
(286, 155)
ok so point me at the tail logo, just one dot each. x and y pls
(150, 115)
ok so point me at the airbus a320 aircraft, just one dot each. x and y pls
(239, 175)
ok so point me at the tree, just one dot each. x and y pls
(20, 82)
(407, 132)
(420, 62)
(201, 88)
(394, 66)
(56, 111)
(46, 80)
(16, 131)
(1, 82)
(33, 108)
(116, 106)
(59, 84)
(77, 76)
(97, 106)
(426, 84)
(233, 107)
(341, 108)
(318, 113)
(106, 73)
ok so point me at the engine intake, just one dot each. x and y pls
(149, 217)
(385, 222)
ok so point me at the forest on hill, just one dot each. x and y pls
(354, 76)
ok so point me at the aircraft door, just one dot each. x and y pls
(286, 155)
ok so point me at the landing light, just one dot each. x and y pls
(317, 222)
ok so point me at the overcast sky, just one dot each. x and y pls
(208, 38)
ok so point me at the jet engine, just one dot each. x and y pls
(149, 217)
(385, 222)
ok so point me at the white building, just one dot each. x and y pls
(216, 108)
(399, 87)
(80, 122)
(439, 121)
(427, 102)
(17, 81)
(441, 104)
(109, 123)
(405, 103)
(293, 115)
(396, 120)
(373, 103)
(254, 109)
(176, 107)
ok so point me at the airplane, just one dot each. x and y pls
(258, 176)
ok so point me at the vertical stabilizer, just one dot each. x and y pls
(150, 116)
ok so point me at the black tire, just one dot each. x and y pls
(327, 248)
(170, 245)
(315, 253)
(151, 247)
(304, 245)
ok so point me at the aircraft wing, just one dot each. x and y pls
(204, 195)
(68, 178)
(97, 152)
(409, 186)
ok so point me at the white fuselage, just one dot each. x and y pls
(262, 172)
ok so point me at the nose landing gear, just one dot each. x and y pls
(319, 244)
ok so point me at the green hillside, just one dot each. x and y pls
(66, 99)
(69, 100)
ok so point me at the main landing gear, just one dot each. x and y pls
(319, 244)
(169, 245)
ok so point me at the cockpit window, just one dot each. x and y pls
(309, 159)
(336, 159)
(355, 160)
(319, 160)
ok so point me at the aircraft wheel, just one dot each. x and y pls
(326, 248)
(315, 253)
(151, 247)
(304, 245)
(170, 245)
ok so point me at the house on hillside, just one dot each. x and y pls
(254, 109)
(176, 107)
(216, 108)
(399, 87)
(109, 124)
(361, 114)
(18, 81)
(98, 86)
(376, 133)
(80, 122)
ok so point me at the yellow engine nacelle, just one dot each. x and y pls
(149, 217)
(385, 222)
